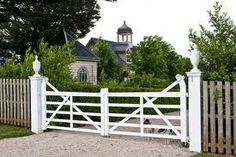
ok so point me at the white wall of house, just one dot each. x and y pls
(89, 65)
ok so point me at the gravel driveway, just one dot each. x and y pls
(76, 144)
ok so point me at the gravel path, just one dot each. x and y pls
(76, 144)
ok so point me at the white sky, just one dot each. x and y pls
(170, 19)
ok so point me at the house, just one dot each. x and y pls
(85, 68)
(123, 48)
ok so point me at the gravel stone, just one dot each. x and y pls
(77, 144)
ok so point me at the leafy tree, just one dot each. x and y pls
(108, 68)
(23, 23)
(217, 46)
(158, 58)
(54, 65)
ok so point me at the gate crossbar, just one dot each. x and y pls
(86, 117)
(55, 93)
(162, 116)
(166, 89)
(58, 108)
(125, 119)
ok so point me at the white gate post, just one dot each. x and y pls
(36, 100)
(194, 90)
(104, 112)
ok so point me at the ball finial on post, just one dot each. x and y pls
(195, 58)
(36, 67)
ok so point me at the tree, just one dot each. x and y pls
(158, 58)
(107, 66)
(23, 23)
(217, 46)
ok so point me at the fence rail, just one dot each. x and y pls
(219, 117)
(15, 102)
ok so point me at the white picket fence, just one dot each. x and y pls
(106, 127)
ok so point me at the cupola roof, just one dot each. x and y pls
(124, 29)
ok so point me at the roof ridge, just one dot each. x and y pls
(80, 50)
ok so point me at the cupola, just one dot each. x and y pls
(124, 33)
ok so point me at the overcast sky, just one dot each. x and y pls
(170, 19)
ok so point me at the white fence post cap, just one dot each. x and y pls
(36, 67)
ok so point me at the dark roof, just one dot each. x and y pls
(117, 47)
(120, 61)
(124, 29)
(120, 47)
(133, 49)
(80, 50)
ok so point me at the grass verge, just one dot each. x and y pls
(11, 131)
(207, 155)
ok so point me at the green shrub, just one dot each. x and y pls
(54, 65)
(146, 81)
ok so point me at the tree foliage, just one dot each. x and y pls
(217, 46)
(158, 58)
(108, 67)
(23, 23)
(54, 65)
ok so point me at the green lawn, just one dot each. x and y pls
(10, 131)
(207, 155)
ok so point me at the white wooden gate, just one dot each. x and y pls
(66, 111)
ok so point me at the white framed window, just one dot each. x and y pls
(82, 74)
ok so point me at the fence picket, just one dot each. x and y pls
(205, 116)
(14, 101)
(28, 103)
(18, 101)
(25, 105)
(213, 116)
(21, 104)
(11, 101)
(228, 117)
(220, 117)
(1, 102)
(234, 113)
(7, 102)
(4, 102)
